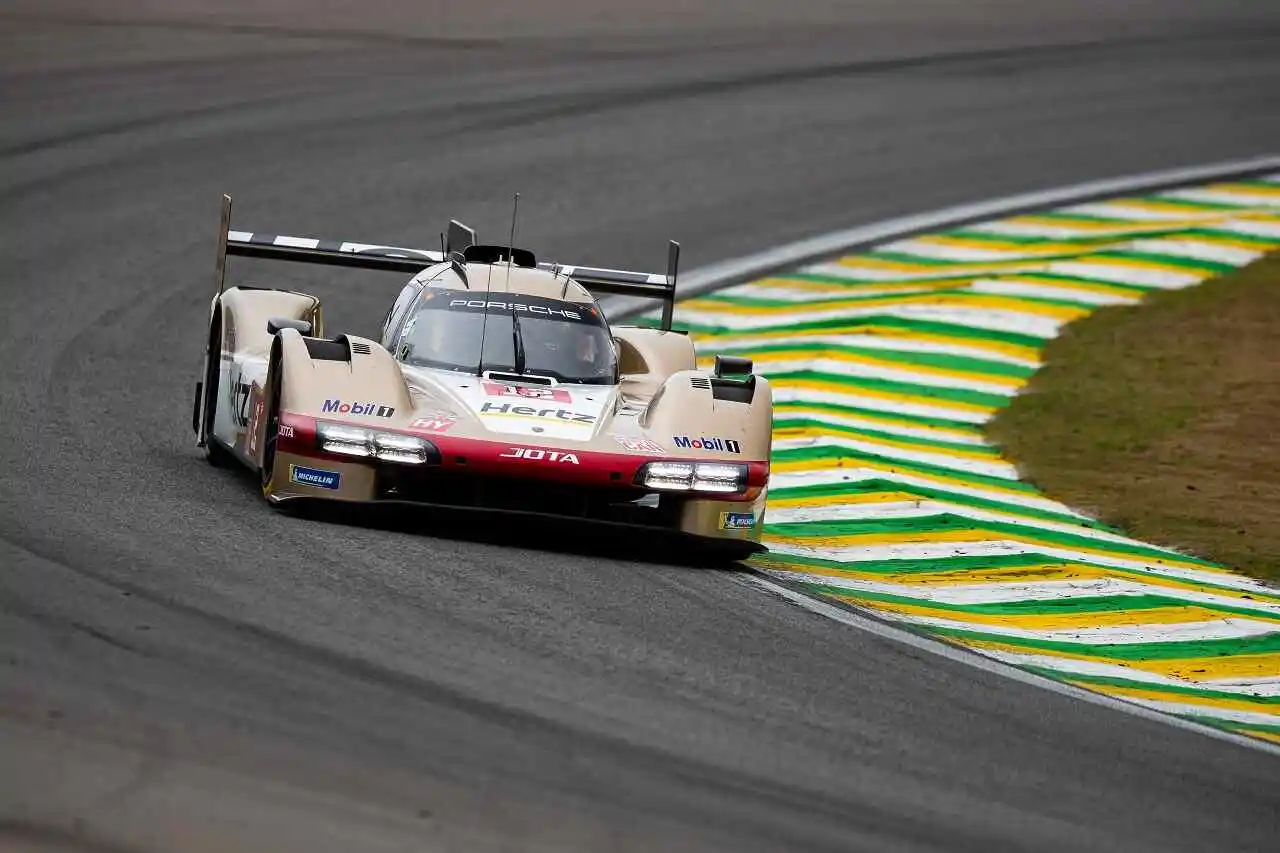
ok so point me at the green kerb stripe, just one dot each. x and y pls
(840, 457)
(1074, 605)
(889, 386)
(944, 522)
(906, 358)
(1254, 645)
(802, 407)
(1173, 690)
(924, 444)
(935, 494)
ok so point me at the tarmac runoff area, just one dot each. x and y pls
(887, 496)
(186, 670)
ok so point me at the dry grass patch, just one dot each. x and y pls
(1164, 419)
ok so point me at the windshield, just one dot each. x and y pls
(567, 341)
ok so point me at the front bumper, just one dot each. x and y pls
(481, 474)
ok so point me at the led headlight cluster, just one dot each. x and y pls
(723, 477)
(388, 446)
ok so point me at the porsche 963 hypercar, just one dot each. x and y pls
(496, 381)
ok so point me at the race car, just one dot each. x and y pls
(496, 381)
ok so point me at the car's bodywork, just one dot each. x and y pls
(643, 437)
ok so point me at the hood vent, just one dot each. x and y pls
(526, 378)
(360, 348)
(700, 382)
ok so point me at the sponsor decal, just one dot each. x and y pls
(372, 410)
(528, 308)
(497, 389)
(639, 444)
(737, 520)
(317, 477)
(531, 412)
(255, 426)
(537, 454)
(437, 424)
(724, 445)
(286, 431)
(240, 392)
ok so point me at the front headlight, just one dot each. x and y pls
(668, 475)
(388, 446)
(400, 448)
(720, 477)
(346, 440)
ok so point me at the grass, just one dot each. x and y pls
(1164, 419)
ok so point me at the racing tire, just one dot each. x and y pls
(214, 453)
(217, 455)
(727, 554)
(271, 430)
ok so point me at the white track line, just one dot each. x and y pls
(960, 655)
(717, 276)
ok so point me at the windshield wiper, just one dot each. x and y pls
(517, 342)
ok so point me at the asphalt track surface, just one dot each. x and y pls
(182, 668)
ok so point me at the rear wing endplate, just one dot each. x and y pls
(372, 256)
(623, 283)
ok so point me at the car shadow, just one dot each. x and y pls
(525, 530)
(509, 528)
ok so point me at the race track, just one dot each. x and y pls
(184, 669)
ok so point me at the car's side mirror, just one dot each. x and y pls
(275, 324)
(732, 367)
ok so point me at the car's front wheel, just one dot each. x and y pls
(217, 455)
(271, 416)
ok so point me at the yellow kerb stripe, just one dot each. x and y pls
(978, 454)
(1145, 264)
(1082, 286)
(996, 244)
(890, 467)
(939, 269)
(1274, 737)
(829, 500)
(853, 390)
(924, 536)
(1225, 239)
(950, 299)
(835, 354)
(851, 288)
(1241, 704)
(1120, 228)
(1038, 573)
(1024, 353)
(1057, 622)
(799, 409)
(1191, 669)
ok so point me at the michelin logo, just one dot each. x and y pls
(724, 445)
(737, 520)
(317, 477)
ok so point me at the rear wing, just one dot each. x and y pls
(372, 256)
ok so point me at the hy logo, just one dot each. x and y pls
(373, 410)
(437, 424)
